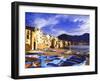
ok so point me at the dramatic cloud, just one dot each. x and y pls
(51, 21)
(84, 27)
(56, 24)
(40, 22)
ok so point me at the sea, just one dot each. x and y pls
(80, 48)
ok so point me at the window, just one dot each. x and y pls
(28, 34)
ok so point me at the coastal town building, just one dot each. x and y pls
(35, 39)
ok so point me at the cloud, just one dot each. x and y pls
(57, 24)
(42, 22)
(81, 27)
(39, 22)
(84, 27)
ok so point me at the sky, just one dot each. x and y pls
(57, 24)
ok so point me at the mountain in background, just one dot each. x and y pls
(75, 39)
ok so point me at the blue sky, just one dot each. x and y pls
(57, 24)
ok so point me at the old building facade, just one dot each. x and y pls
(35, 39)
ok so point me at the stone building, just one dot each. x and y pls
(35, 39)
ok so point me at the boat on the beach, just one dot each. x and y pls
(56, 61)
